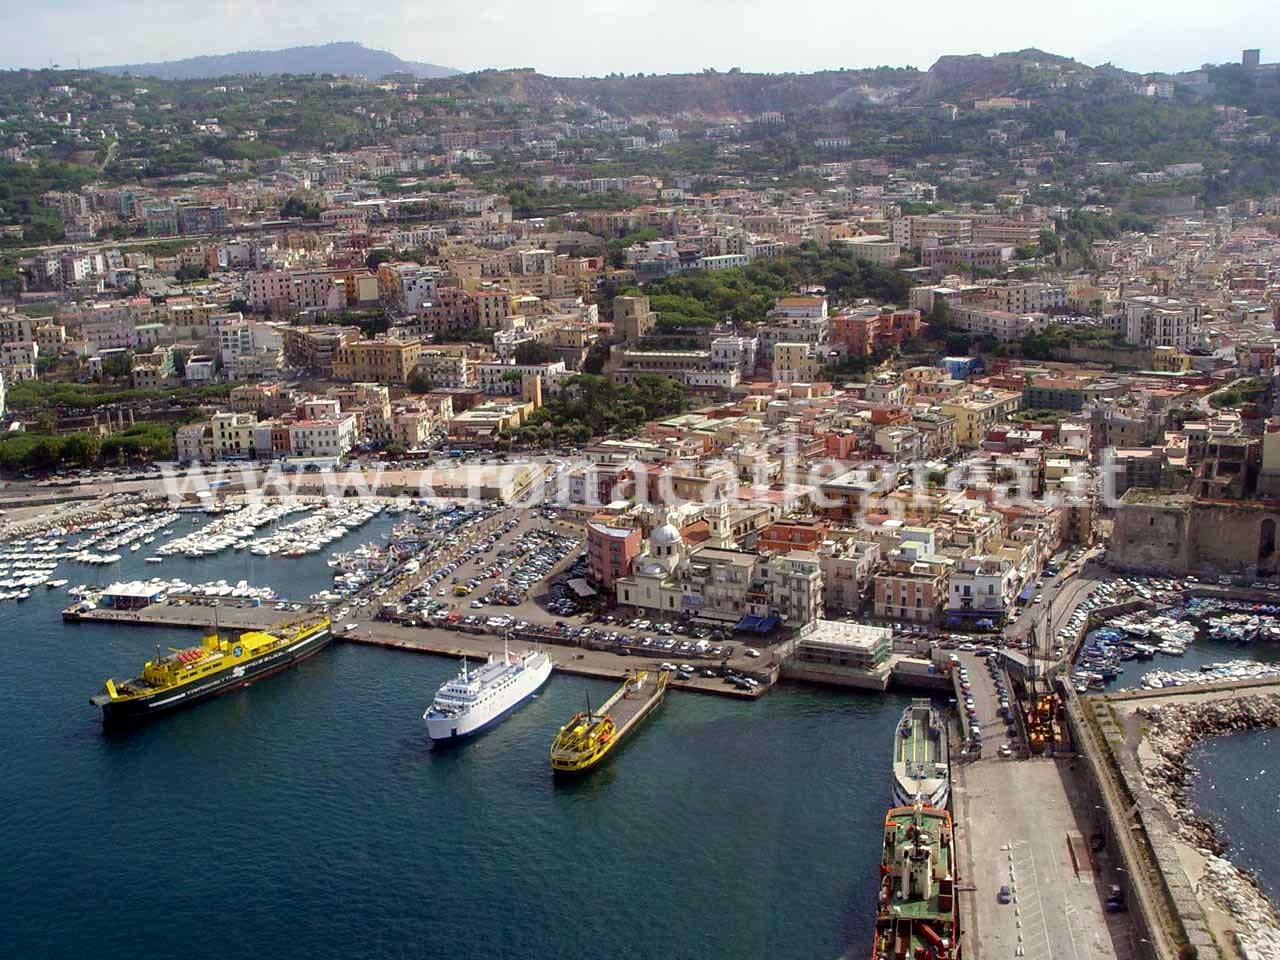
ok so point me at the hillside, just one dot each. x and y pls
(736, 94)
(340, 58)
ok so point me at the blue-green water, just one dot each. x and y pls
(1230, 788)
(1235, 786)
(309, 815)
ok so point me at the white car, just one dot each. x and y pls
(351, 627)
(667, 666)
(751, 652)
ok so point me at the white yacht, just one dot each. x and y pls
(474, 699)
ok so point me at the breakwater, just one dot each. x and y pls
(1173, 729)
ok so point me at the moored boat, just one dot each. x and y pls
(920, 757)
(478, 698)
(591, 735)
(216, 666)
(916, 915)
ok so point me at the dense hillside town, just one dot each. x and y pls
(961, 381)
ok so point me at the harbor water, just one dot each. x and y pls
(1235, 787)
(309, 814)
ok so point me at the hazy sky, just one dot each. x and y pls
(575, 37)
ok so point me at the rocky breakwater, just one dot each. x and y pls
(1173, 730)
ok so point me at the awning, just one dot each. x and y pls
(760, 625)
(1028, 592)
(580, 586)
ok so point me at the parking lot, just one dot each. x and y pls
(985, 708)
(1031, 896)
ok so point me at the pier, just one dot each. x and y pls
(571, 660)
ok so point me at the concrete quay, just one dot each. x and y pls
(1163, 898)
(574, 661)
(448, 643)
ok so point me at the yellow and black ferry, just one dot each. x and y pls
(182, 677)
(591, 735)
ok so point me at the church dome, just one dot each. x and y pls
(665, 536)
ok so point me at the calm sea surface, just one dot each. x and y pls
(308, 815)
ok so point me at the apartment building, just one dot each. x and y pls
(1015, 232)
(632, 317)
(915, 231)
(795, 320)
(795, 363)
(910, 586)
(613, 544)
(968, 256)
(315, 347)
(861, 331)
(1022, 298)
(982, 587)
(323, 438)
(1152, 321)
(447, 366)
(872, 248)
(1001, 324)
(380, 360)
(975, 413)
(150, 371)
(15, 328)
(233, 434)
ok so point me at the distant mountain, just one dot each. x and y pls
(338, 58)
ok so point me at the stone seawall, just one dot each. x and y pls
(1173, 730)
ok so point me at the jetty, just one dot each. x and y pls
(1180, 892)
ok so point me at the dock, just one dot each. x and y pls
(569, 660)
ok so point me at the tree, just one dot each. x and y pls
(81, 448)
(420, 382)
(1049, 242)
(534, 352)
(116, 366)
(298, 206)
(189, 271)
(376, 258)
(239, 305)
(395, 450)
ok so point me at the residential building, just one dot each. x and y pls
(975, 413)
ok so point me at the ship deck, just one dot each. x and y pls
(927, 909)
(626, 710)
(920, 746)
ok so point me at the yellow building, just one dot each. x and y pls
(976, 413)
(487, 420)
(794, 363)
(1170, 360)
(377, 361)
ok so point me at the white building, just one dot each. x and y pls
(323, 438)
(982, 586)
(1151, 321)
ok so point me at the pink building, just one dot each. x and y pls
(611, 549)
